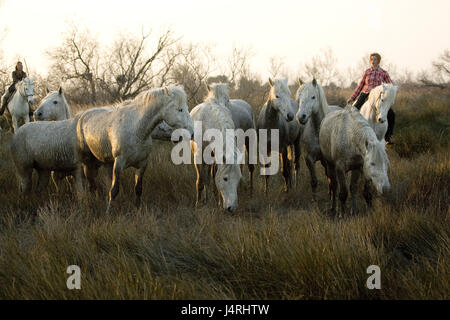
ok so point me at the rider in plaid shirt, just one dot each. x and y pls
(373, 77)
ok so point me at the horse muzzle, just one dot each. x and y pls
(289, 117)
(302, 119)
(37, 115)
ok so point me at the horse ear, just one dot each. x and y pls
(166, 91)
(300, 82)
(208, 87)
(314, 82)
(46, 90)
(60, 90)
(270, 82)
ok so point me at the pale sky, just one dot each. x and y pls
(407, 33)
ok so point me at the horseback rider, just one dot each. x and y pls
(18, 75)
(371, 78)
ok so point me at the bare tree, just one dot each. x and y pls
(322, 67)
(77, 59)
(194, 65)
(238, 65)
(132, 67)
(440, 74)
(277, 67)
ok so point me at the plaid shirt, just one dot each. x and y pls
(371, 79)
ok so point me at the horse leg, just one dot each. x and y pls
(343, 192)
(78, 175)
(216, 191)
(26, 118)
(332, 185)
(297, 153)
(251, 166)
(312, 171)
(199, 184)
(354, 190)
(15, 124)
(367, 194)
(26, 182)
(56, 177)
(138, 186)
(43, 178)
(286, 169)
(91, 172)
(117, 170)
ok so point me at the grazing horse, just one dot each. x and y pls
(375, 109)
(226, 175)
(312, 108)
(348, 143)
(243, 118)
(278, 113)
(120, 137)
(18, 106)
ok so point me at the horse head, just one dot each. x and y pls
(385, 99)
(308, 98)
(53, 107)
(26, 89)
(176, 112)
(219, 91)
(376, 165)
(280, 98)
(227, 180)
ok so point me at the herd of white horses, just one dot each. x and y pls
(60, 144)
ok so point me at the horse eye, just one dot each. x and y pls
(277, 97)
(55, 102)
(313, 97)
(372, 164)
(180, 110)
(225, 179)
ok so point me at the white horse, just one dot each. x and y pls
(375, 109)
(46, 146)
(348, 143)
(278, 113)
(18, 106)
(53, 107)
(120, 137)
(312, 108)
(242, 114)
(226, 176)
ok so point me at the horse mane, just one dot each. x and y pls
(151, 96)
(323, 100)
